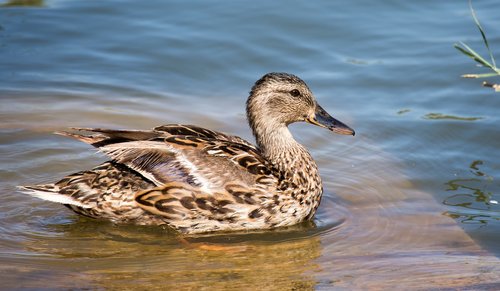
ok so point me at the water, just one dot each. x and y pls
(409, 201)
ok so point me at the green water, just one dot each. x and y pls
(410, 201)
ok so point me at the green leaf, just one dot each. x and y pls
(471, 53)
(464, 51)
(485, 40)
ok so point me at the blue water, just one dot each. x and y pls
(421, 175)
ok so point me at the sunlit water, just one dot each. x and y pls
(409, 201)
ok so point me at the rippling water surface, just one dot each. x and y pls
(409, 202)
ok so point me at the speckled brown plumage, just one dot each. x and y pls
(198, 180)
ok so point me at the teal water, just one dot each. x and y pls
(411, 201)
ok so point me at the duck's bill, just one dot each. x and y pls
(323, 119)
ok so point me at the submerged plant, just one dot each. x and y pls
(466, 50)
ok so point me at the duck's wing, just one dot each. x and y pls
(183, 153)
(201, 162)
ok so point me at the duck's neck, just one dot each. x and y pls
(276, 141)
(286, 155)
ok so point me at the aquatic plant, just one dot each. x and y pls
(468, 51)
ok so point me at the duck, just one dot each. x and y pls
(196, 180)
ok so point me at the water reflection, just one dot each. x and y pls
(440, 116)
(472, 203)
(115, 257)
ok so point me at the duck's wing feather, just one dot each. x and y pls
(200, 162)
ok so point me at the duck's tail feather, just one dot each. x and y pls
(50, 192)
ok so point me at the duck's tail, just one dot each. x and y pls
(50, 192)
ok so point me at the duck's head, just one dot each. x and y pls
(278, 99)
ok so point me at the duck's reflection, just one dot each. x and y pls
(148, 257)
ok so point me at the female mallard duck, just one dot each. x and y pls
(197, 180)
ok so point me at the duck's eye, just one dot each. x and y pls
(295, 92)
